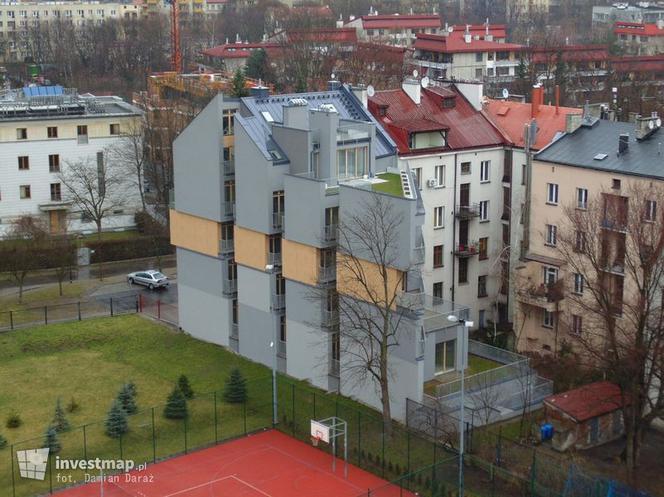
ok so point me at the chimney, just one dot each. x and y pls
(573, 122)
(623, 143)
(473, 92)
(535, 100)
(557, 95)
(412, 88)
(340, 22)
(360, 91)
(296, 113)
(333, 84)
(660, 23)
(259, 91)
(466, 35)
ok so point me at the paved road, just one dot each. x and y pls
(120, 290)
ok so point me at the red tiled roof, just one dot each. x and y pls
(236, 50)
(467, 127)
(570, 53)
(397, 21)
(588, 401)
(314, 10)
(455, 43)
(336, 35)
(636, 28)
(510, 118)
(638, 63)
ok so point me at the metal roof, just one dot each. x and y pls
(347, 105)
(643, 158)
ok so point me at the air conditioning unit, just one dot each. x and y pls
(431, 183)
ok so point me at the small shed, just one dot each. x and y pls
(586, 416)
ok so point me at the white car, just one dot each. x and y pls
(151, 279)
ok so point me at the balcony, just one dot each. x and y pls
(616, 267)
(466, 249)
(412, 301)
(274, 258)
(278, 220)
(418, 255)
(327, 274)
(545, 297)
(235, 331)
(229, 287)
(229, 209)
(226, 246)
(334, 367)
(329, 318)
(330, 233)
(278, 302)
(229, 167)
(467, 211)
(281, 349)
(615, 224)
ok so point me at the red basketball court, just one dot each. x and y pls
(266, 464)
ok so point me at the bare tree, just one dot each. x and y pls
(132, 154)
(615, 248)
(21, 249)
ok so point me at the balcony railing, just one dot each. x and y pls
(334, 367)
(234, 331)
(614, 224)
(543, 296)
(326, 274)
(412, 301)
(229, 167)
(278, 220)
(418, 255)
(615, 267)
(229, 209)
(467, 211)
(281, 348)
(229, 287)
(226, 246)
(274, 258)
(330, 233)
(466, 249)
(278, 302)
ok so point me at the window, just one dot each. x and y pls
(439, 217)
(438, 256)
(56, 194)
(21, 133)
(578, 283)
(484, 248)
(581, 198)
(114, 129)
(479, 57)
(438, 289)
(52, 131)
(352, 162)
(23, 163)
(82, 134)
(479, 72)
(615, 184)
(417, 172)
(550, 275)
(547, 319)
(463, 270)
(485, 167)
(651, 210)
(481, 286)
(228, 123)
(577, 324)
(551, 193)
(484, 210)
(523, 174)
(54, 163)
(282, 328)
(25, 191)
(580, 241)
(551, 233)
(440, 175)
(465, 168)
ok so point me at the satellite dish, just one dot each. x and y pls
(415, 73)
(371, 91)
(450, 29)
(651, 124)
(658, 122)
(506, 93)
(333, 76)
(425, 82)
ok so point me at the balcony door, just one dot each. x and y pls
(445, 356)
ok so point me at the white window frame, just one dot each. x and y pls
(439, 172)
(548, 319)
(579, 283)
(550, 273)
(651, 211)
(484, 210)
(582, 198)
(485, 171)
(577, 324)
(551, 235)
(439, 217)
(552, 191)
(417, 172)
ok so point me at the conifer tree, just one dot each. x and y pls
(236, 388)
(127, 400)
(185, 387)
(60, 422)
(176, 405)
(116, 421)
(51, 440)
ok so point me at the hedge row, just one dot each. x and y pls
(132, 248)
(33, 256)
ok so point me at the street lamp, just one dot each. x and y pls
(462, 338)
(273, 345)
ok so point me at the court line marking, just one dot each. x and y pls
(196, 487)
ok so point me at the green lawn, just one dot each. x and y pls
(391, 186)
(48, 295)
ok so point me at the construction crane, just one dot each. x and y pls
(176, 54)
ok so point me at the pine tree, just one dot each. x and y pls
(256, 64)
(236, 388)
(185, 387)
(3, 441)
(127, 400)
(116, 421)
(131, 386)
(60, 422)
(238, 85)
(51, 440)
(176, 405)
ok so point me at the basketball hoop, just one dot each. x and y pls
(315, 441)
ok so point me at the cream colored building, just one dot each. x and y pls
(584, 169)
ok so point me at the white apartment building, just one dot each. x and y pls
(42, 129)
(393, 29)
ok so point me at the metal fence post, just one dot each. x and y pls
(50, 472)
(111, 306)
(244, 415)
(314, 394)
(382, 459)
(293, 407)
(154, 440)
(532, 474)
(78, 304)
(359, 438)
(11, 456)
(137, 297)
(120, 446)
(85, 444)
(45, 314)
(216, 433)
(184, 423)
(159, 309)
(11, 320)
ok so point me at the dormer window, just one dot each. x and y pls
(449, 103)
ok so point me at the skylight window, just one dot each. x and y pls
(600, 156)
(267, 116)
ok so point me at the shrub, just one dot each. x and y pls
(60, 423)
(185, 387)
(73, 405)
(51, 440)
(127, 400)
(14, 420)
(116, 421)
(131, 248)
(176, 405)
(236, 388)
(146, 224)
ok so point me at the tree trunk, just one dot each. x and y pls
(384, 383)
(101, 264)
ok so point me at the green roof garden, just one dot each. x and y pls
(391, 184)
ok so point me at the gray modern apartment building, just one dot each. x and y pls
(262, 185)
